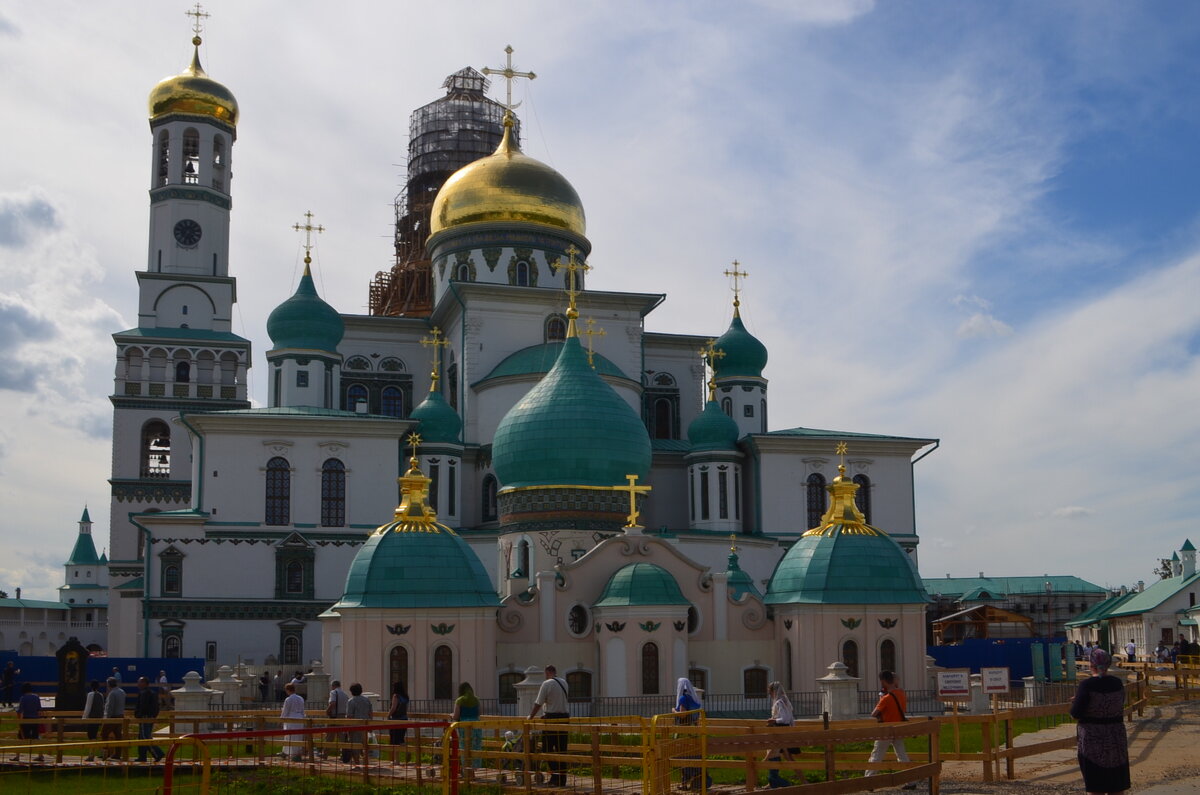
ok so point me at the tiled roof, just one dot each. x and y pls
(999, 587)
(1156, 594)
(641, 584)
(196, 334)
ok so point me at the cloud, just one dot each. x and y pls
(983, 325)
(24, 215)
(819, 12)
(1072, 512)
(7, 28)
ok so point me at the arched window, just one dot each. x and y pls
(650, 670)
(333, 493)
(754, 682)
(291, 649)
(452, 383)
(522, 277)
(171, 579)
(172, 646)
(664, 419)
(464, 273)
(816, 499)
(355, 394)
(183, 372)
(508, 687)
(164, 159)
(887, 655)
(578, 620)
(391, 402)
(850, 657)
(693, 621)
(191, 156)
(218, 163)
(787, 664)
(699, 678)
(522, 569)
(392, 365)
(579, 686)
(727, 406)
(556, 328)
(357, 363)
(294, 577)
(862, 498)
(156, 450)
(398, 666)
(443, 672)
(490, 510)
(278, 491)
(762, 415)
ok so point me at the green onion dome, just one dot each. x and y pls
(439, 422)
(712, 429)
(744, 356)
(845, 561)
(571, 429)
(641, 584)
(415, 562)
(305, 321)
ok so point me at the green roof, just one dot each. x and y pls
(32, 604)
(539, 359)
(1155, 595)
(670, 445)
(817, 433)
(438, 422)
(406, 569)
(191, 334)
(712, 429)
(305, 321)
(744, 354)
(570, 429)
(136, 584)
(999, 587)
(840, 568)
(740, 582)
(641, 584)
(86, 516)
(300, 411)
(1100, 610)
(1187, 546)
(84, 553)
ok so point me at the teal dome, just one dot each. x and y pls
(712, 429)
(744, 354)
(305, 321)
(641, 584)
(414, 562)
(571, 429)
(439, 422)
(740, 583)
(845, 561)
(538, 359)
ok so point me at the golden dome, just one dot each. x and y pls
(195, 93)
(507, 186)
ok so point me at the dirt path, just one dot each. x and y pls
(1162, 750)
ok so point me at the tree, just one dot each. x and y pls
(1164, 569)
(3, 594)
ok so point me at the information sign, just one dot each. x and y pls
(954, 683)
(995, 680)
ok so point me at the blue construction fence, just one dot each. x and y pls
(1039, 657)
(43, 671)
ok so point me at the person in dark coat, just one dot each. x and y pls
(1099, 709)
(146, 706)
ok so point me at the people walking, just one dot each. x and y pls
(782, 714)
(552, 702)
(890, 709)
(336, 708)
(292, 714)
(398, 710)
(687, 700)
(1102, 745)
(358, 707)
(8, 679)
(29, 710)
(466, 710)
(146, 706)
(93, 709)
(114, 710)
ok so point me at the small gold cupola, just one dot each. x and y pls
(193, 92)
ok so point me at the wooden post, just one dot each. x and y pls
(935, 755)
(830, 761)
(988, 750)
(1010, 762)
(597, 773)
(954, 718)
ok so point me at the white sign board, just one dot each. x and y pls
(995, 680)
(954, 683)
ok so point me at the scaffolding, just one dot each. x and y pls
(444, 136)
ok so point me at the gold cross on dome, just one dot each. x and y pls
(573, 268)
(841, 451)
(509, 74)
(733, 542)
(590, 332)
(737, 276)
(437, 341)
(198, 13)
(709, 354)
(414, 441)
(307, 228)
(633, 489)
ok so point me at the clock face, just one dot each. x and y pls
(187, 233)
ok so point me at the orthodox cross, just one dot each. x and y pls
(572, 268)
(414, 441)
(733, 543)
(841, 451)
(591, 332)
(737, 276)
(509, 74)
(709, 355)
(198, 13)
(437, 341)
(633, 489)
(307, 228)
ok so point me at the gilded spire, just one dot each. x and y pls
(437, 341)
(307, 228)
(736, 276)
(591, 332)
(509, 74)
(843, 514)
(573, 269)
(709, 354)
(413, 515)
(198, 14)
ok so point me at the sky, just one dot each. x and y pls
(975, 222)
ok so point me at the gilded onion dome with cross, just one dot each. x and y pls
(844, 560)
(505, 219)
(193, 92)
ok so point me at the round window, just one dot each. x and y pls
(577, 620)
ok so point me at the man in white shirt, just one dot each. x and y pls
(551, 700)
(337, 705)
(1130, 650)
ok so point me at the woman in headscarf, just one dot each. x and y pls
(688, 700)
(782, 714)
(466, 708)
(1103, 748)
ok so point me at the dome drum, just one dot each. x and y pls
(538, 508)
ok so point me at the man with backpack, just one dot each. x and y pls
(552, 701)
(890, 709)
